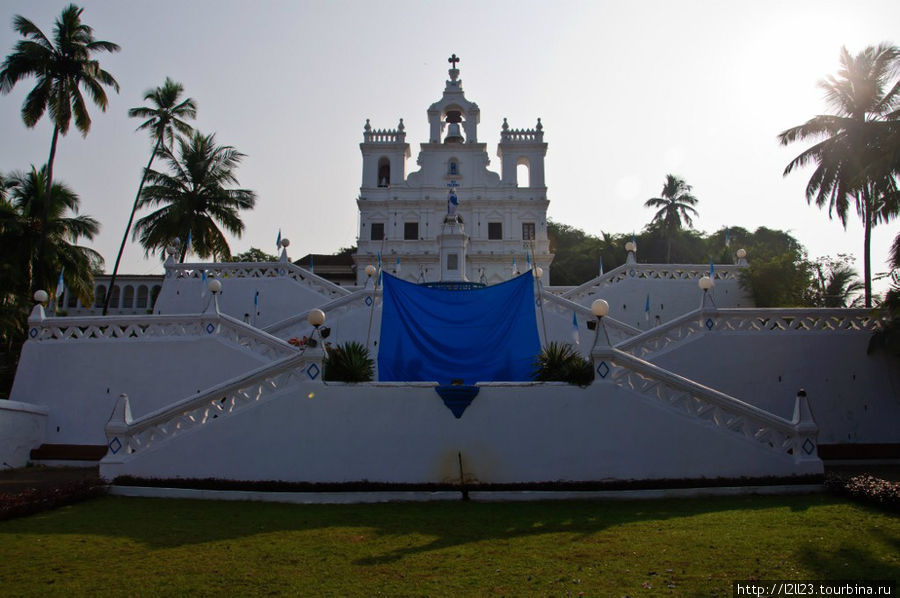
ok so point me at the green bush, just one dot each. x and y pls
(559, 362)
(349, 362)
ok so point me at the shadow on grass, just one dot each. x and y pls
(167, 523)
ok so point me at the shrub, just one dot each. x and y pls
(34, 501)
(559, 362)
(867, 488)
(349, 362)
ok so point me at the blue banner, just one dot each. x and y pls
(479, 335)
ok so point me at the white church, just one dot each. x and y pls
(691, 381)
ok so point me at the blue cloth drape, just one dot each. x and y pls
(478, 335)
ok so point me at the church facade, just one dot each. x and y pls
(453, 219)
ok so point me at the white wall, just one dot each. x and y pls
(80, 381)
(21, 429)
(854, 397)
(404, 434)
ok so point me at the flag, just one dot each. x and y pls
(634, 239)
(202, 283)
(601, 266)
(187, 246)
(647, 308)
(379, 260)
(312, 265)
(727, 237)
(712, 269)
(528, 260)
(60, 284)
(576, 338)
(515, 269)
(398, 264)
(278, 242)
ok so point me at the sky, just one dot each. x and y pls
(627, 92)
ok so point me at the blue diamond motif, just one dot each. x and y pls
(312, 371)
(632, 273)
(808, 447)
(710, 323)
(603, 369)
(368, 301)
(115, 446)
(281, 272)
(210, 328)
(33, 332)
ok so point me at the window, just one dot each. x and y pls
(452, 261)
(454, 168)
(99, 295)
(154, 294)
(495, 231)
(384, 172)
(377, 231)
(528, 231)
(142, 297)
(128, 297)
(114, 299)
(410, 231)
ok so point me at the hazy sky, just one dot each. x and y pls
(627, 92)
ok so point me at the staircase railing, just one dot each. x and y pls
(257, 270)
(651, 272)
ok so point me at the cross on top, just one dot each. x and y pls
(453, 60)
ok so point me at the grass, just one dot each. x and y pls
(693, 547)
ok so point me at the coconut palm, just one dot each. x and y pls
(849, 150)
(163, 119)
(195, 199)
(20, 227)
(675, 205)
(837, 285)
(62, 68)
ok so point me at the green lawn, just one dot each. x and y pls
(686, 547)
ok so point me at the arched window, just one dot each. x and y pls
(453, 168)
(384, 172)
(72, 300)
(99, 295)
(523, 173)
(114, 299)
(142, 297)
(128, 297)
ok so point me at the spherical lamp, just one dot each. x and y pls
(171, 250)
(41, 296)
(630, 246)
(285, 242)
(214, 286)
(600, 308)
(741, 253)
(706, 283)
(316, 317)
(538, 272)
(370, 270)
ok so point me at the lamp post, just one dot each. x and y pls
(631, 248)
(706, 283)
(600, 308)
(284, 246)
(215, 288)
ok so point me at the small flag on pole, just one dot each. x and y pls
(187, 246)
(576, 337)
(712, 269)
(202, 283)
(312, 265)
(515, 269)
(601, 266)
(727, 237)
(278, 242)
(379, 259)
(60, 284)
(398, 264)
(528, 260)
(647, 308)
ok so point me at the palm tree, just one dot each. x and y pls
(194, 199)
(675, 204)
(838, 285)
(62, 68)
(850, 144)
(20, 227)
(163, 119)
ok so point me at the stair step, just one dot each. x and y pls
(69, 452)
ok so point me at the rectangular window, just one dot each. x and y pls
(528, 231)
(377, 231)
(410, 231)
(495, 231)
(452, 261)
